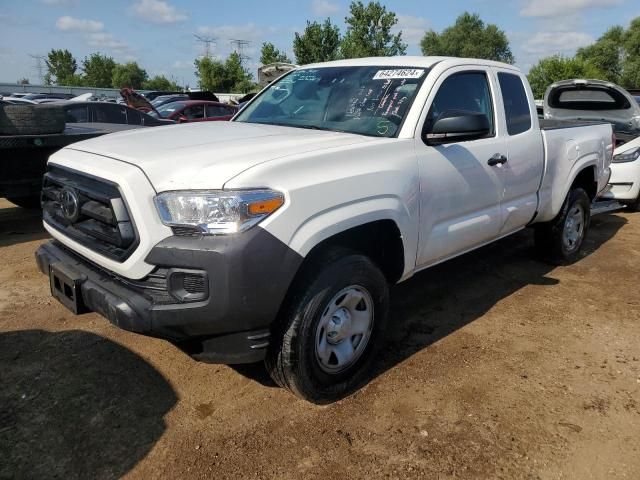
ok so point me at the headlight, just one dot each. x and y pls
(217, 212)
(628, 156)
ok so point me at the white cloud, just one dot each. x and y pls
(550, 8)
(324, 7)
(106, 40)
(70, 24)
(413, 29)
(157, 11)
(543, 44)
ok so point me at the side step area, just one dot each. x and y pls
(605, 206)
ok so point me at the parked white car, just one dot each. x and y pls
(624, 185)
(276, 236)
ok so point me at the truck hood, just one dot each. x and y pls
(206, 155)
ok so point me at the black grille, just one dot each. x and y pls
(89, 210)
(194, 283)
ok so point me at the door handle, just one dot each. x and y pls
(497, 159)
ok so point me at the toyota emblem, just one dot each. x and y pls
(70, 204)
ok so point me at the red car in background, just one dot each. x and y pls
(195, 111)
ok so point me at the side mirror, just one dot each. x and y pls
(454, 126)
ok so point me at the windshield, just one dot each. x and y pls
(364, 100)
(167, 109)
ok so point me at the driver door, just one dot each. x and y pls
(460, 192)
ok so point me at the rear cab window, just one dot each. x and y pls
(516, 103)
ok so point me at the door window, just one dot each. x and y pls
(194, 113)
(516, 104)
(134, 117)
(77, 114)
(111, 114)
(467, 92)
(216, 111)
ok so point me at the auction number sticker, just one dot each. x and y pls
(398, 73)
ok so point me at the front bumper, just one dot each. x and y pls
(248, 276)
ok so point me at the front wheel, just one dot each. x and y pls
(329, 331)
(561, 239)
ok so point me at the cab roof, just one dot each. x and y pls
(408, 61)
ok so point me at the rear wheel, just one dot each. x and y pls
(561, 239)
(329, 332)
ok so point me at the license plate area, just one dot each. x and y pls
(66, 288)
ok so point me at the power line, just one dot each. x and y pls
(39, 66)
(239, 46)
(207, 42)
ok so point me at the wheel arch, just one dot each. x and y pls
(368, 227)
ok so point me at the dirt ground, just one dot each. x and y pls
(497, 366)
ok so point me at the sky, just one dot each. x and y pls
(159, 34)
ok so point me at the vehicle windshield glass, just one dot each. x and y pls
(167, 109)
(369, 100)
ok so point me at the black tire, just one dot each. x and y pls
(291, 359)
(549, 240)
(30, 203)
(31, 119)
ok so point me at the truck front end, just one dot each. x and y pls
(145, 262)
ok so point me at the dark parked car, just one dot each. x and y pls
(157, 93)
(104, 112)
(196, 111)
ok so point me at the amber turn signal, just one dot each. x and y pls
(262, 207)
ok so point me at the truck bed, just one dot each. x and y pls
(569, 146)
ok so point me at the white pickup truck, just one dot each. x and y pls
(276, 236)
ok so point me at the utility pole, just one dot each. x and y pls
(239, 46)
(39, 66)
(207, 42)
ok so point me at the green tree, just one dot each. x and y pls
(224, 77)
(630, 77)
(61, 68)
(128, 75)
(369, 32)
(270, 54)
(469, 37)
(162, 83)
(606, 54)
(318, 43)
(553, 69)
(98, 71)
(210, 73)
(238, 78)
